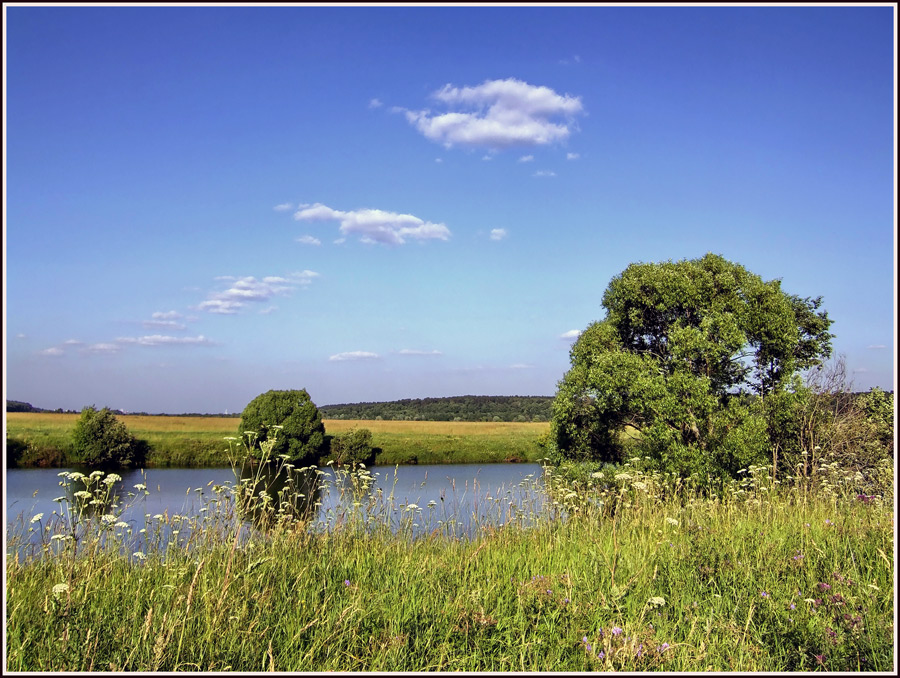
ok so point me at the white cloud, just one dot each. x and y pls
(163, 340)
(498, 114)
(375, 103)
(249, 289)
(572, 156)
(498, 233)
(72, 342)
(103, 348)
(571, 334)
(876, 347)
(544, 173)
(354, 355)
(283, 207)
(170, 324)
(372, 225)
(488, 157)
(439, 160)
(410, 351)
(520, 366)
(526, 158)
(308, 240)
(166, 315)
(54, 351)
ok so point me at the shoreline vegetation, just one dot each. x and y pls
(623, 570)
(199, 442)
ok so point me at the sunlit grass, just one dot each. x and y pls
(624, 570)
(197, 441)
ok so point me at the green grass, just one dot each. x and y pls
(199, 441)
(646, 570)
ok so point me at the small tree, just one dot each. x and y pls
(353, 447)
(102, 440)
(302, 433)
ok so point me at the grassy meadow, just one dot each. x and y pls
(199, 441)
(625, 571)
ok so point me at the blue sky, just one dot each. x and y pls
(373, 203)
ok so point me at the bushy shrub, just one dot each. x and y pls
(353, 447)
(15, 448)
(300, 431)
(99, 439)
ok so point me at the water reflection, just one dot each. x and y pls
(155, 508)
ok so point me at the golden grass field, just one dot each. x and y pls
(199, 441)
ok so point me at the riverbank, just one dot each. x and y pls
(644, 575)
(199, 442)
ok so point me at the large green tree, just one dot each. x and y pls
(695, 359)
(292, 419)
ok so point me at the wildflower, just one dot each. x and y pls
(672, 521)
(59, 589)
(37, 517)
(121, 524)
(662, 648)
(828, 522)
(601, 654)
(823, 586)
(112, 478)
(792, 606)
(764, 594)
(656, 601)
(641, 486)
(346, 582)
(108, 518)
(139, 555)
(83, 494)
(616, 631)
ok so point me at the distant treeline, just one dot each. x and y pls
(18, 406)
(456, 408)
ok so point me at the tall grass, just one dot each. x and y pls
(620, 570)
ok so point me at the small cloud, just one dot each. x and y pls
(439, 160)
(340, 241)
(163, 340)
(20, 336)
(572, 156)
(487, 157)
(103, 348)
(544, 173)
(308, 240)
(54, 351)
(248, 289)
(410, 351)
(374, 225)
(375, 103)
(72, 342)
(571, 334)
(876, 347)
(498, 233)
(283, 207)
(353, 355)
(520, 366)
(526, 158)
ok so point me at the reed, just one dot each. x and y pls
(621, 570)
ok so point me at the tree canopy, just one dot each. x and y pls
(292, 419)
(683, 360)
(102, 440)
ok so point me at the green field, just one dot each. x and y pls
(200, 441)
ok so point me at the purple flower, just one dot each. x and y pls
(662, 648)
(763, 594)
(823, 586)
(793, 607)
(346, 582)
(616, 630)
(601, 654)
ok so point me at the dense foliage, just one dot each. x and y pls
(100, 439)
(697, 360)
(457, 408)
(352, 447)
(295, 418)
